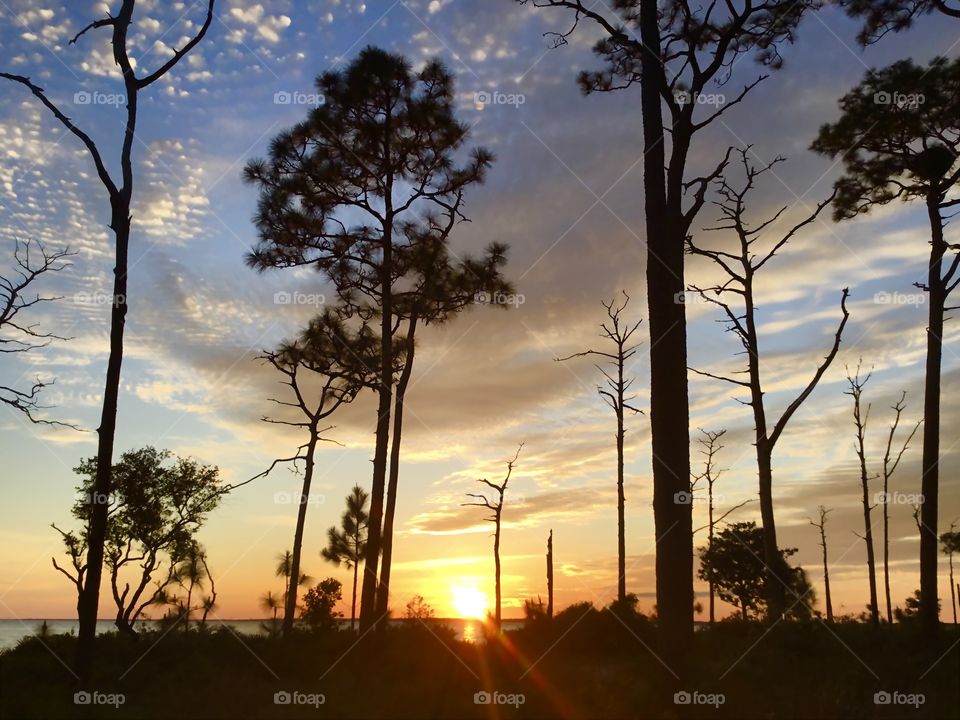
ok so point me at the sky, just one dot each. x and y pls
(565, 194)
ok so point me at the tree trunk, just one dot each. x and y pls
(669, 402)
(826, 572)
(621, 532)
(353, 603)
(868, 539)
(712, 589)
(886, 550)
(293, 584)
(550, 575)
(368, 598)
(383, 593)
(953, 594)
(929, 614)
(496, 568)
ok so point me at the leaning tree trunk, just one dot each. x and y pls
(868, 539)
(293, 585)
(368, 598)
(929, 484)
(669, 402)
(383, 593)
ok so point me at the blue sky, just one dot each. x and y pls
(565, 194)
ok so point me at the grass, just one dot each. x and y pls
(584, 664)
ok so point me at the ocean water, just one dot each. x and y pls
(13, 631)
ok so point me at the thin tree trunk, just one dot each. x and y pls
(826, 570)
(621, 502)
(669, 401)
(293, 584)
(868, 539)
(383, 593)
(550, 575)
(710, 585)
(353, 603)
(496, 565)
(368, 598)
(929, 484)
(886, 550)
(953, 594)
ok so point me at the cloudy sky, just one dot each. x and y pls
(565, 194)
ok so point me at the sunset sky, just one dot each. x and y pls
(565, 194)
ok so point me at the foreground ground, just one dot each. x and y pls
(592, 666)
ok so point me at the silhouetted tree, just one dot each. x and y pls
(674, 50)
(549, 575)
(350, 191)
(324, 368)
(443, 287)
(495, 506)
(319, 603)
(347, 543)
(121, 197)
(890, 464)
(734, 562)
(821, 526)
(31, 261)
(284, 570)
(271, 603)
(614, 392)
(883, 16)
(861, 418)
(735, 295)
(190, 573)
(710, 443)
(418, 609)
(158, 504)
(951, 545)
(899, 137)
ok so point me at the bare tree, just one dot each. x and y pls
(495, 506)
(550, 575)
(735, 296)
(31, 261)
(861, 418)
(121, 196)
(614, 392)
(890, 464)
(951, 545)
(821, 526)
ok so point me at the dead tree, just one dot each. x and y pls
(861, 418)
(550, 575)
(710, 441)
(31, 261)
(614, 393)
(890, 464)
(735, 296)
(120, 193)
(495, 506)
(821, 526)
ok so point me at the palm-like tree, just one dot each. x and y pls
(191, 572)
(348, 544)
(271, 603)
(285, 568)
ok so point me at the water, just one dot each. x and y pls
(13, 631)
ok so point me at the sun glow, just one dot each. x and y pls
(469, 602)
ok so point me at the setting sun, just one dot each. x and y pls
(469, 602)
